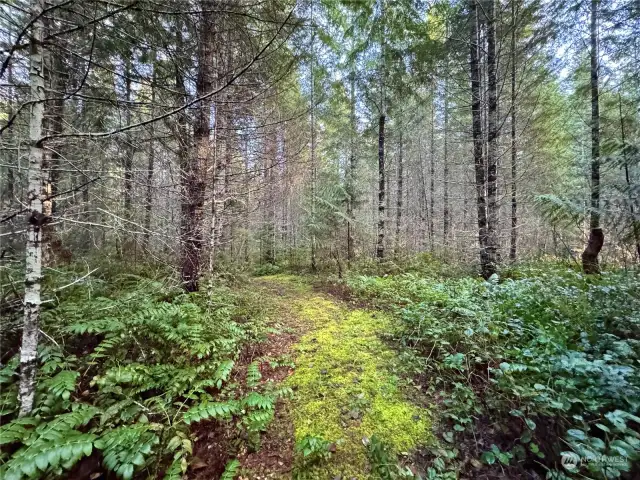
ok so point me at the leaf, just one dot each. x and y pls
(231, 470)
(578, 434)
(488, 457)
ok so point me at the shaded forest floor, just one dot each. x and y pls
(418, 372)
(346, 391)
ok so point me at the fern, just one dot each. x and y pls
(106, 346)
(231, 470)
(558, 210)
(66, 421)
(145, 358)
(50, 447)
(17, 430)
(253, 375)
(223, 372)
(125, 448)
(49, 455)
(8, 372)
(62, 384)
(206, 411)
(256, 400)
(8, 400)
(102, 325)
(181, 447)
(259, 420)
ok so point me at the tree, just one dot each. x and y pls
(37, 219)
(195, 173)
(590, 263)
(478, 157)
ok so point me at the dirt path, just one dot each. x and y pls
(345, 389)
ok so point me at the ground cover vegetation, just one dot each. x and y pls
(311, 239)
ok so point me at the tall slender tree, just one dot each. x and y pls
(590, 263)
(36, 218)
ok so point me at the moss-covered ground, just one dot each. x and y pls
(344, 382)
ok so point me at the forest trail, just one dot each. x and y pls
(345, 389)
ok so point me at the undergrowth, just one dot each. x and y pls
(127, 363)
(527, 370)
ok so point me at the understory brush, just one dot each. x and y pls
(126, 363)
(530, 370)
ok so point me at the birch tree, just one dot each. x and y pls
(36, 219)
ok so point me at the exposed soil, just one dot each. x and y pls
(218, 443)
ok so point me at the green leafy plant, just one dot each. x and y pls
(543, 354)
(384, 463)
(136, 362)
(313, 450)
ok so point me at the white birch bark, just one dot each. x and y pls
(33, 269)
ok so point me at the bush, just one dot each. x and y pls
(548, 358)
(128, 363)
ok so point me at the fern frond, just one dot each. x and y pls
(177, 469)
(253, 375)
(208, 410)
(67, 421)
(17, 430)
(256, 400)
(106, 346)
(9, 371)
(558, 210)
(62, 384)
(107, 325)
(231, 470)
(8, 400)
(223, 372)
(49, 454)
(125, 448)
(258, 420)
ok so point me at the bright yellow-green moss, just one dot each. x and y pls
(345, 389)
(292, 282)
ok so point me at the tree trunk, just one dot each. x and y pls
(381, 188)
(194, 178)
(446, 220)
(36, 218)
(55, 73)
(432, 171)
(151, 161)
(314, 265)
(399, 195)
(590, 262)
(478, 157)
(129, 149)
(351, 175)
(514, 199)
(492, 146)
(7, 192)
(422, 199)
(635, 226)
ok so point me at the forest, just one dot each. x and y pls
(319, 239)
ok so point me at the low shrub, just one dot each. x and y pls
(527, 369)
(127, 363)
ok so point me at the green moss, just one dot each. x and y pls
(292, 282)
(345, 387)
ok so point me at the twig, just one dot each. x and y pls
(76, 280)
